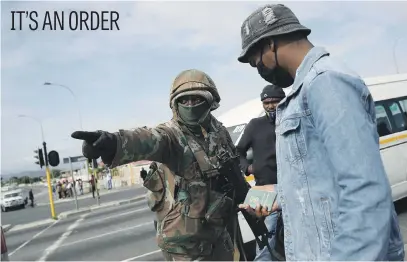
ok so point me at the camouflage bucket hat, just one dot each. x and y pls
(266, 21)
(190, 82)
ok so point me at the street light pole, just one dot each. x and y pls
(47, 170)
(77, 107)
(36, 120)
(74, 96)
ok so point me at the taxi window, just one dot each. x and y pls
(403, 104)
(398, 116)
(236, 131)
(383, 123)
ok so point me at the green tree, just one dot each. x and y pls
(14, 179)
(56, 173)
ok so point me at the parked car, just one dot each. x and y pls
(12, 199)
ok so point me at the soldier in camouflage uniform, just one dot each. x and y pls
(186, 187)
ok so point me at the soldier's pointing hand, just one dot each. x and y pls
(97, 144)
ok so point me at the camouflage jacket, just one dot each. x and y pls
(194, 212)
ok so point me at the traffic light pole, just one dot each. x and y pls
(48, 173)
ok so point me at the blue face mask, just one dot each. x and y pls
(272, 115)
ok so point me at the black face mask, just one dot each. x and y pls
(277, 76)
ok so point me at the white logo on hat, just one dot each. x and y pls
(268, 16)
(247, 29)
(265, 95)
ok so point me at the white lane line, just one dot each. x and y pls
(105, 234)
(143, 255)
(61, 239)
(34, 237)
(114, 216)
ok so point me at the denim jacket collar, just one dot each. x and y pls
(312, 56)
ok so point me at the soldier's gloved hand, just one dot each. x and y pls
(97, 144)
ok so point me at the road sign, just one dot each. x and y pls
(74, 159)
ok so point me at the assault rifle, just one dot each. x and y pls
(230, 170)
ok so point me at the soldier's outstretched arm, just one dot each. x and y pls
(126, 146)
(152, 144)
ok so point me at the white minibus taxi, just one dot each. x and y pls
(390, 96)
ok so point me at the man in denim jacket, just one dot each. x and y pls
(333, 189)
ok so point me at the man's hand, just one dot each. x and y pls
(261, 211)
(97, 144)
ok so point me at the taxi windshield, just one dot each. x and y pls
(236, 131)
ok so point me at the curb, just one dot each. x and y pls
(7, 227)
(86, 196)
(72, 213)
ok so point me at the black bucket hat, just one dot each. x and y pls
(269, 20)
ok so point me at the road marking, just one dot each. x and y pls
(105, 234)
(143, 255)
(62, 238)
(31, 225)
(34, 237)
(114, 216)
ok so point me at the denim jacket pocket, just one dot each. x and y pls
(292, 139)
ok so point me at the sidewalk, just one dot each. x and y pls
(102, 192)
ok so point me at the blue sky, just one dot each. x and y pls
(122, 78)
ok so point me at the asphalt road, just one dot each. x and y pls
(40, 212)
(124, 233)
(115, 234)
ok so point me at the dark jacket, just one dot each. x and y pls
(30, 194)
(143, 174)
(260, 135)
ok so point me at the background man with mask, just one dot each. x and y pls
(188, 145)
(332, 186)
(260, 135)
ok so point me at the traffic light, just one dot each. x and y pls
(40, 157)
(53, 158)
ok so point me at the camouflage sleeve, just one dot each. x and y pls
(153, 144)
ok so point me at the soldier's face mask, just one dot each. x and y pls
(193, 113)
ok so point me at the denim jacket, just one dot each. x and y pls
(332, 186)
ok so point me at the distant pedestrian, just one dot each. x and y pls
(80, 184)
(143, 173)
(109, 180)
(31, 197)
(92, 183)
(59, 189)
